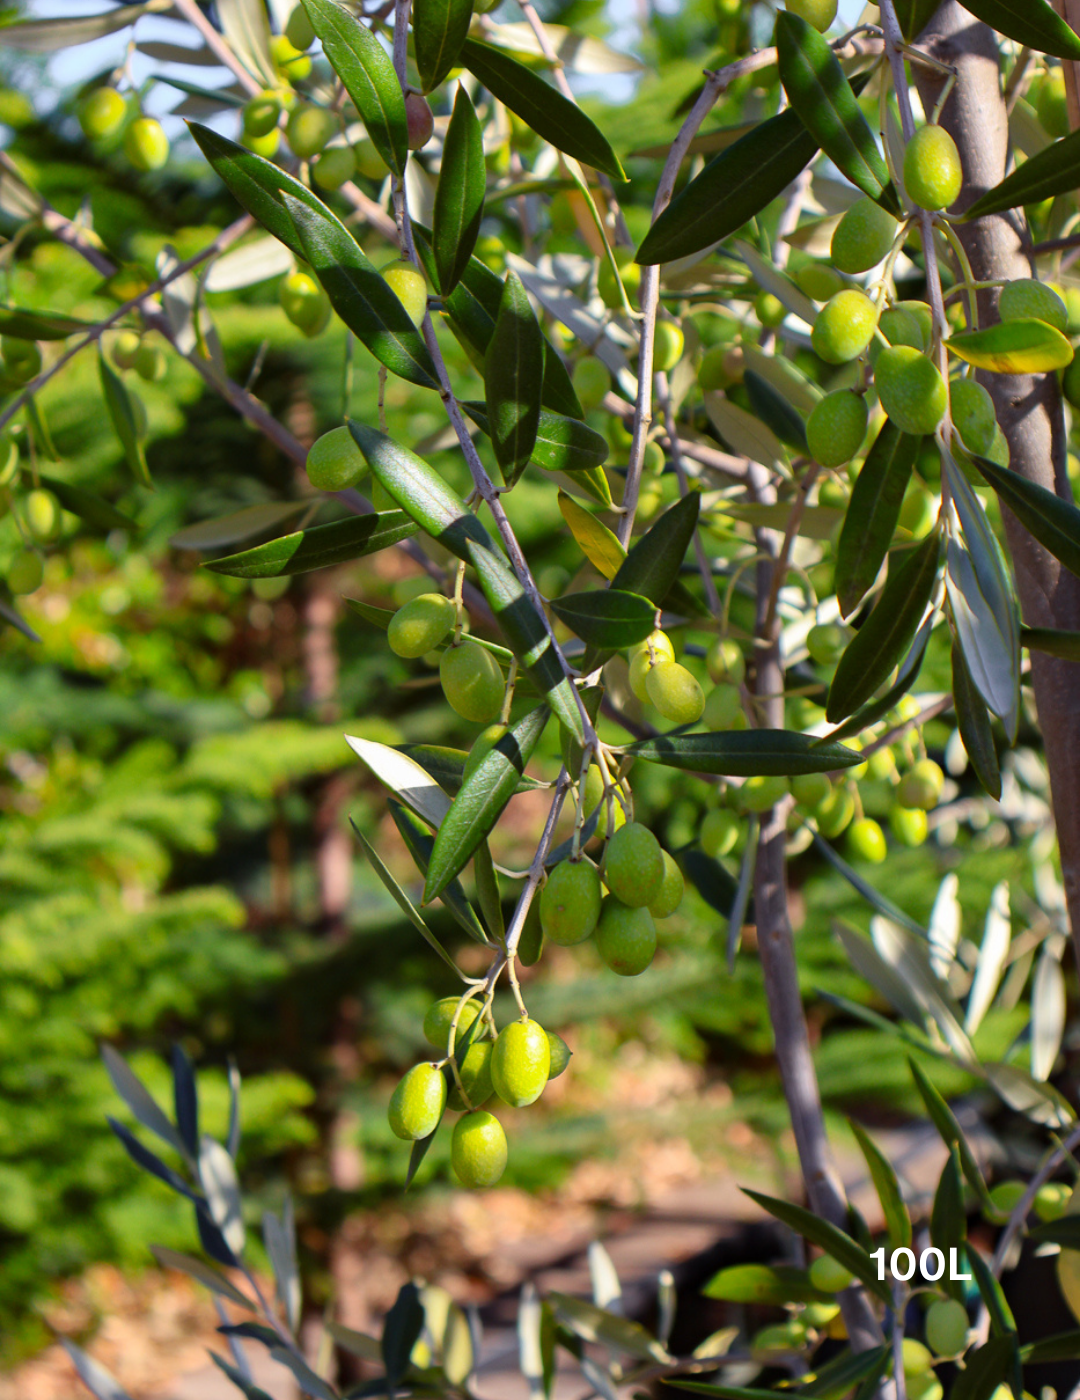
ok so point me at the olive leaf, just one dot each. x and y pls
(652, 566)
(897, 1219)
(775, 412)
(1053, 642)
(118, 403)
(905, 678)
(1030, 22)
(417, 836)
(1053, 171)
(914, 15)
(459, 197)
(873, 514)
(825, 101)
(320, 547)
(88, 506)
(39, 325)
(1054, 522)
(481, 799)
(561, 445)
(439, 29)
(744, 753)
(1023, 346)
(887, 633)
(763, 1283)
(513, 379)
(402, 900)
(367, 73)
(608, 618)
(832, 1240)
(948, 1223)
(973, 721)
(950, 1132)
(599, 545)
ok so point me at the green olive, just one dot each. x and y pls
(675, 692)
(1028, 298)
(474, 1067)
(560, 1054)
(309, 128)
(43, 515)
(592, 382)
(811, 789)
(299, 30)
(818, 281)
(102, 113)
(369, 162)
(304, 302)
(634, 865)
(145, 144)
(668, 345)
(844, 327)
(901, 327)
(863, 237)
(334, 462)
(835, 813)
(629, 271)
(933, 175)
(334, 167)
(719, 832)
(570, 902)
(946, 1327)
(973, 415)
(1051, 1200)
(911, 389)
(531, 940)
(819, 13)
(438, 1018)
(725, 662)
(760, 793)
(672, 889)
(826, 642)
(520, 1063)
(421, 625)
(472, 682)
(867, 841)
(836, 428)
(770, 310)
(292, 63)
(922, 786)
(478, 1149)
(409, 286)
(829, 1276)
(723, 708)
(711, 373)
(22, 358)
(125, 349)
(25, 572)
(909, 825)
(916, 1357)
(261, 114)
(625, 937)
(417, 1104)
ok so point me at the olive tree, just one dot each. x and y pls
(789, 425)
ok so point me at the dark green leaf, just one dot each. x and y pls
(1054, 643)
(185, 1099)
(944, 1121)
(1051, 172)
(762, 1283)
(733, 187)
(597, 1324)
(1055, 523)
(553, 117)
(446, 766)
(1064, 1232)
(914, 15)
(360, 296)
(440, 27)
(948, 1225)
(1062, 1346)
(985, 1369)
(421, 491)
(150, 1161)
(723, 1392)
(118, 403)
(488, 894)
(221, 98)
(652, 566)
(1029, 22)
(93, 509)
(559, 394)
(973, 720)
(562, 444)
(822, 96)
(258, 184)
(744, 753)
(481, 800)
(418, 838)
(403, 1325)
(251, 1392)
(416, 1156)
(1001, 1318)
(833, 1241)
(459, 196)
(378, 617)
(513, 380)
(905, 679)
(873, 514)
(887, 633)
(39, 325)
(873, 897)
(897, 1220)
(366, 70)
(318, 548)
(401, 899)
(775, 411)
(716, 885)
(843, 1371)
(607, 618)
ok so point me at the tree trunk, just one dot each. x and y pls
(1029, 406)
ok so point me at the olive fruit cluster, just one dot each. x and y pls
(515, 1065)
(656, 678)
(644, 884)
(39, 519)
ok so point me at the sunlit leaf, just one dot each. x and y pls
(607, 618)
(319, 547)
(1013, 347)
(513, 380)
(1030, 22)
(744, 753)
(459, 196)
(820, 1232)
(599, 545)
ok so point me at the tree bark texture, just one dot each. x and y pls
(1028, 406)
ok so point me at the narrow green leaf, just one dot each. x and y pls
(734, 186)
(652, 566)
(481, 800)
(596, 1324)
(416, 1156)
(559, 394)
(39, 325)
(897, 1219)
(744, 753)
(439, 27)
(417, 836)
(318, 548)
(423, 494)
(775, 412)
(562, 444)
(459, 196)
(1013, 347)
(367, 71)
(762, 1283)
(714, 882)
(873, 897)
(599, 545)
(1062, 1346)
(1055, 523)
(818, 90)
(513, 380)
(1054, 643)
(944, 1121)
(1001, 1317)
(488, 894)
(905, 679)
(258, 184)
(402, 900)
(447, 766)
(842, 1372)
(1030, 22)
(948, 1223)
(887, 633)
(378, 617)
(973, 720)
(360, 296)
(88, 506)
(1053, 171)
(118, 403)
(835, 1243)
(205, 1274)
(401, 1330)
(873, 514)
(723, 1392)
(553, 117)
(985, 1369)
(239, 525)
(914, 15)
(982, 605)
(607, 618)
